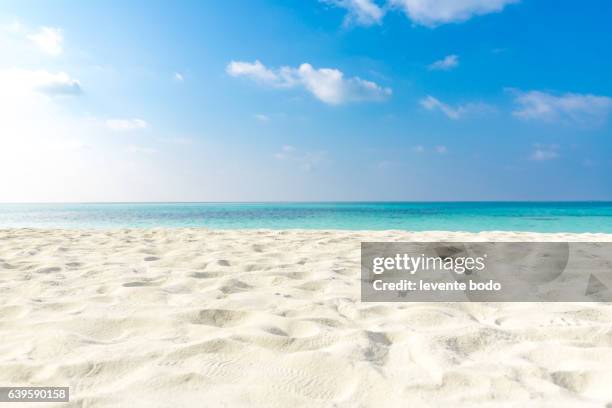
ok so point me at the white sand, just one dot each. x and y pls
(187, 317)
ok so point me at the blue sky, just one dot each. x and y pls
(305, 100)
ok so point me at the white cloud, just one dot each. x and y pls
(126, 124)
(441, 149)
(51, 150)
(431, 103)
(261, 117)
(363, 12)
(48, 39)
(432, 13)
(57, 84)
(178, 77)
(285, 153)
(446, 64)
(329, 86)
(13, 27)
(326, 84)
(31, 102)
(543, 152)
(254, 70)
(21, 82)
(456, 112)
(540, 154)
(44, 147)
(569, 107)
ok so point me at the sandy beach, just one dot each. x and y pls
(221, 318)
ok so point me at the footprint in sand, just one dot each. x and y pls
(218, 317)
(73, 264)
(50, 269)
(140, 283)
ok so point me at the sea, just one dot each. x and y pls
(411, 216)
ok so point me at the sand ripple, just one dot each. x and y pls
(188, 317)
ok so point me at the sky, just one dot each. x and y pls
(306, 100)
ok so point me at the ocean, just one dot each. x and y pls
(412, 216)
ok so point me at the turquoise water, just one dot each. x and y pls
(447, 216)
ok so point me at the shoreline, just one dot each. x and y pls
(394, 232)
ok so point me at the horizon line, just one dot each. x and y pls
(306, 202)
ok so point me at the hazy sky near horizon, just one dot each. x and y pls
(266, 100)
